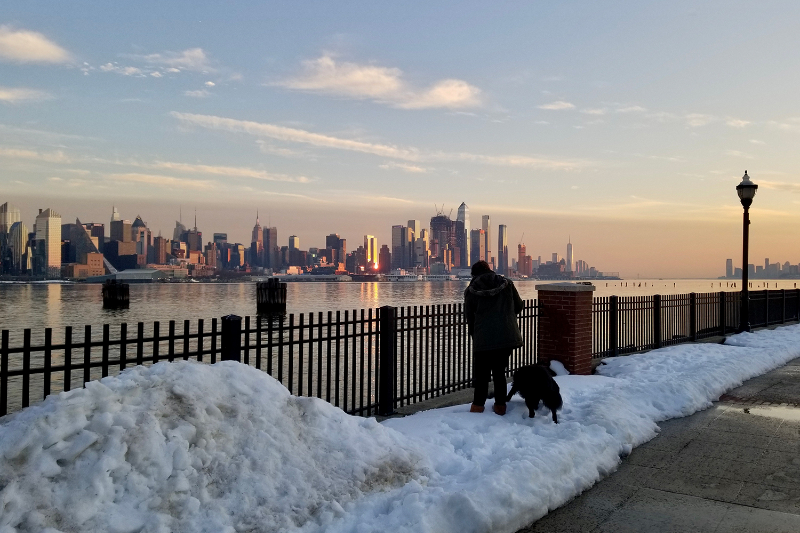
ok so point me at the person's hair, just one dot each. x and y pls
(481, 267)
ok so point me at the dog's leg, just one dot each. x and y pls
(555, 416)
(532, 405)
(511, 393)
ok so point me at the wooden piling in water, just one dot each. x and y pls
(271, 297)
(116, 295)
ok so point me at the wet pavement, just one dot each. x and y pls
(734, 467)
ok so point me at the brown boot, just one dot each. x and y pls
(476, 408)
(500, 409)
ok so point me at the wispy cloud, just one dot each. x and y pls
(780, 185)
(756, 141)
(200, 93)
(557, 106)
(631, 109)
(23, 46)
(416, 155)
(192, 59)
(380, 84)
(403, 166)
(737, 153)
(595, 111)
(737, 123)
(697, 120)
(120, 69)
(12, 95)
(227, 171)
(164, 181)
(22, 153)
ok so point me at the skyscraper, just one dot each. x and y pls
(257, 244)
(569, 255)
(18, 244)
(463, 238)
(48, 237)
(486, 225)
(371, 249)
(729, 268)
(415, 226)
(502, 250)
(294, 242)
(477, 244)
(272, 251)
(8, 215)
(402, 246)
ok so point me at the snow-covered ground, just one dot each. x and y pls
(186, 447)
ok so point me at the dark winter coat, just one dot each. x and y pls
(492, 303)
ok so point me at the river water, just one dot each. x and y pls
(55, 305)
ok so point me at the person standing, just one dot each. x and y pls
(491, 304)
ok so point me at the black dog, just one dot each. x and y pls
(534, 383)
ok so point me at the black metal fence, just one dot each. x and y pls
(622, 325)
(368, 361)
(365, 361)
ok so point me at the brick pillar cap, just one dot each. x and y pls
(566, 286)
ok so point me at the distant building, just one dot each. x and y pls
(502, 250)
(569, 256)
(48, 243)
(384, 260)
(18, 247)
(371, 249)
(272, 249)
(477, 246)
(729, 268)
(8, 216)
(486, 226)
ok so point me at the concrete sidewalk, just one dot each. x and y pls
(734, 467)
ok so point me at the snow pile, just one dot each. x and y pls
(191, 447)
(187, 447)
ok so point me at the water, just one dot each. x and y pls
(38, 306)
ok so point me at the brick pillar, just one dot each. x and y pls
(565, 325)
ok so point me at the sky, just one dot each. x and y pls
(621, 126)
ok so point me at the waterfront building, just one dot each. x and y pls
(729, 268)
(486, 226)
(442, 236)
(257, 244)
(402, 246)
(18, 245)
(8, 216)
(477, 246)
(272, 249)
(569, 255)
(462, 238)
(502, 250)
(384, 259)
(121, 230)
(143, 238)
(160, 250)
(371, 249)
(48, 243)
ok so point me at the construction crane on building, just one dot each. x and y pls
(523, 236)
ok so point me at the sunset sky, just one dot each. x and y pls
(623, 126)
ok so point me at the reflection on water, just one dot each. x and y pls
(38, 306)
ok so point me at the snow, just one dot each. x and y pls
(190, 447)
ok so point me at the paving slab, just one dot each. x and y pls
(734, 467)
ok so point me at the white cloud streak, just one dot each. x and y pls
(380, 84)
(12, 95)
(23, 46)
(282, 133)
(193, 59)
(557, 106)
(403, 166)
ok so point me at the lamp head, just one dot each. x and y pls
(746, 190)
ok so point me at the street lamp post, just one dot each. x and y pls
(746, 191)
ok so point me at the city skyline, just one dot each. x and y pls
(626, 129)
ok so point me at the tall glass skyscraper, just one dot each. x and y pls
(463, 240)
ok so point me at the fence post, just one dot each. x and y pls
(783, 306)
(387, 358)
(657, 321)
(231, 338)
(693, 316)
(613, 325)
(723, 320)
(565, 325)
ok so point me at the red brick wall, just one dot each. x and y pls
(565, 329)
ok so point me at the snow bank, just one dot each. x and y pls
(187, 447)
(191, 447)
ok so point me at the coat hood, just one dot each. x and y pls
(488, 284)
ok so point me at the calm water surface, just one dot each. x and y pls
(56, 305)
